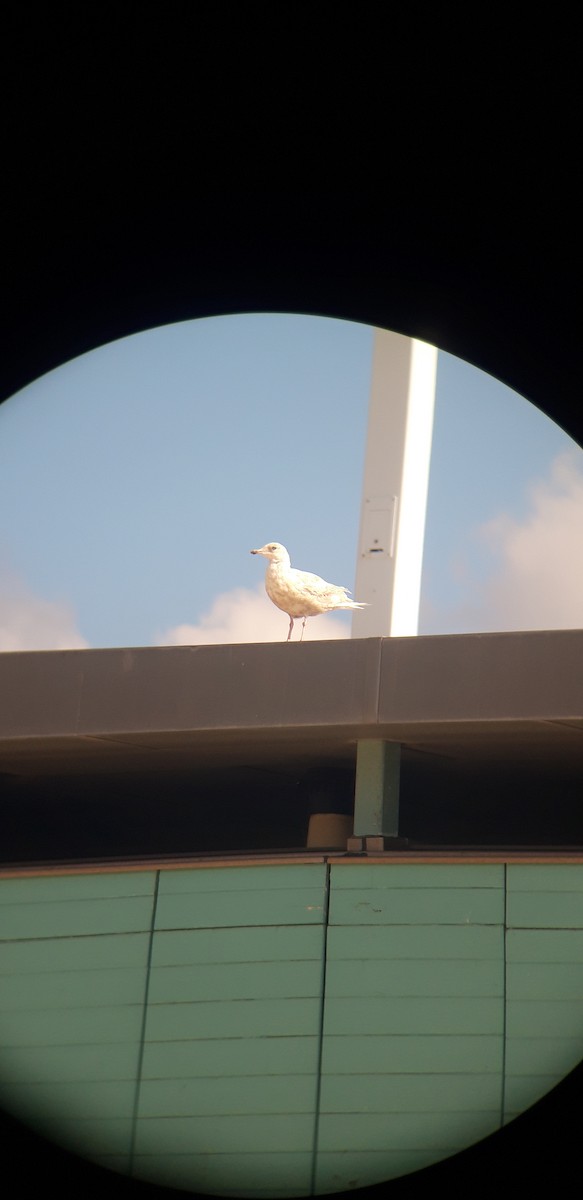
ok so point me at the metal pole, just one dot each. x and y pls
(395, 484)
(376, 800)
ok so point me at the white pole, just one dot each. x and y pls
(395, 485)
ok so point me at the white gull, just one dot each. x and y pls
(299, 593)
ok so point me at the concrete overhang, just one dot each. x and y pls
(515, 696)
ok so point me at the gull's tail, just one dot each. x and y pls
(352, 604)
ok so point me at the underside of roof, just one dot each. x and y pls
(210, 748)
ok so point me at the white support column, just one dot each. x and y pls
(396, 479)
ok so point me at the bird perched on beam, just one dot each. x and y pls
(299, 593)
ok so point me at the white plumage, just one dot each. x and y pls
(299, 593)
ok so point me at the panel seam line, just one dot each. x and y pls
(505, 1005)
(320, 1033)
(141, 1049)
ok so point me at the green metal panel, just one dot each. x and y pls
(235, 981)
(73, 1099)
(339, 1171)
(544, 945)
(39, 889)
(424, 977)
(412, 1050)
(72, 989)
(237, 1174)
(226, 1133)
(69, 1063)
(414, 1015)
(539, 1018)
(553, 1055)
(546, 981)
(203, 1097)
(413, 1020)
(289, 906)
(240, 896)
(541, 877)
(547, 897)
(415, 895)
(231, 1056)
(268, 943)
(421, 1054)
(410, 1093)
(70, 1026)
(363, 876)
(88, 1137)
(235, 996)
(66, 906)
(74, 954)
(390, 942)
(236, 1018)
(550, 910)
(218, 880)
(400, 906)
(524, 1090)
(69, 918)
(403, 1131)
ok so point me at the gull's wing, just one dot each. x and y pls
(313, 585)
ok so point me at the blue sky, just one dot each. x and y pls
(135, 480)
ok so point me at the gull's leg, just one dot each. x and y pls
(291, 625)
(303, 627)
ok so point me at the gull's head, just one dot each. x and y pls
(274, 551)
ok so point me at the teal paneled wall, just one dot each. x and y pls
(236, 996)
(73, 973)
(274, 1030)
(413, 1018)
(544, 991)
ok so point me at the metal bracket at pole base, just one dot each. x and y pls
(375, 845)
(355, 845)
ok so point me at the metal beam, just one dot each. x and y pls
(376, 799)
(395, 484)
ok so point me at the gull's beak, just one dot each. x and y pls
(255, 551)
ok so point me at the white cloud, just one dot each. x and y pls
(27, 622)
(537, 580)
(245, 615)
